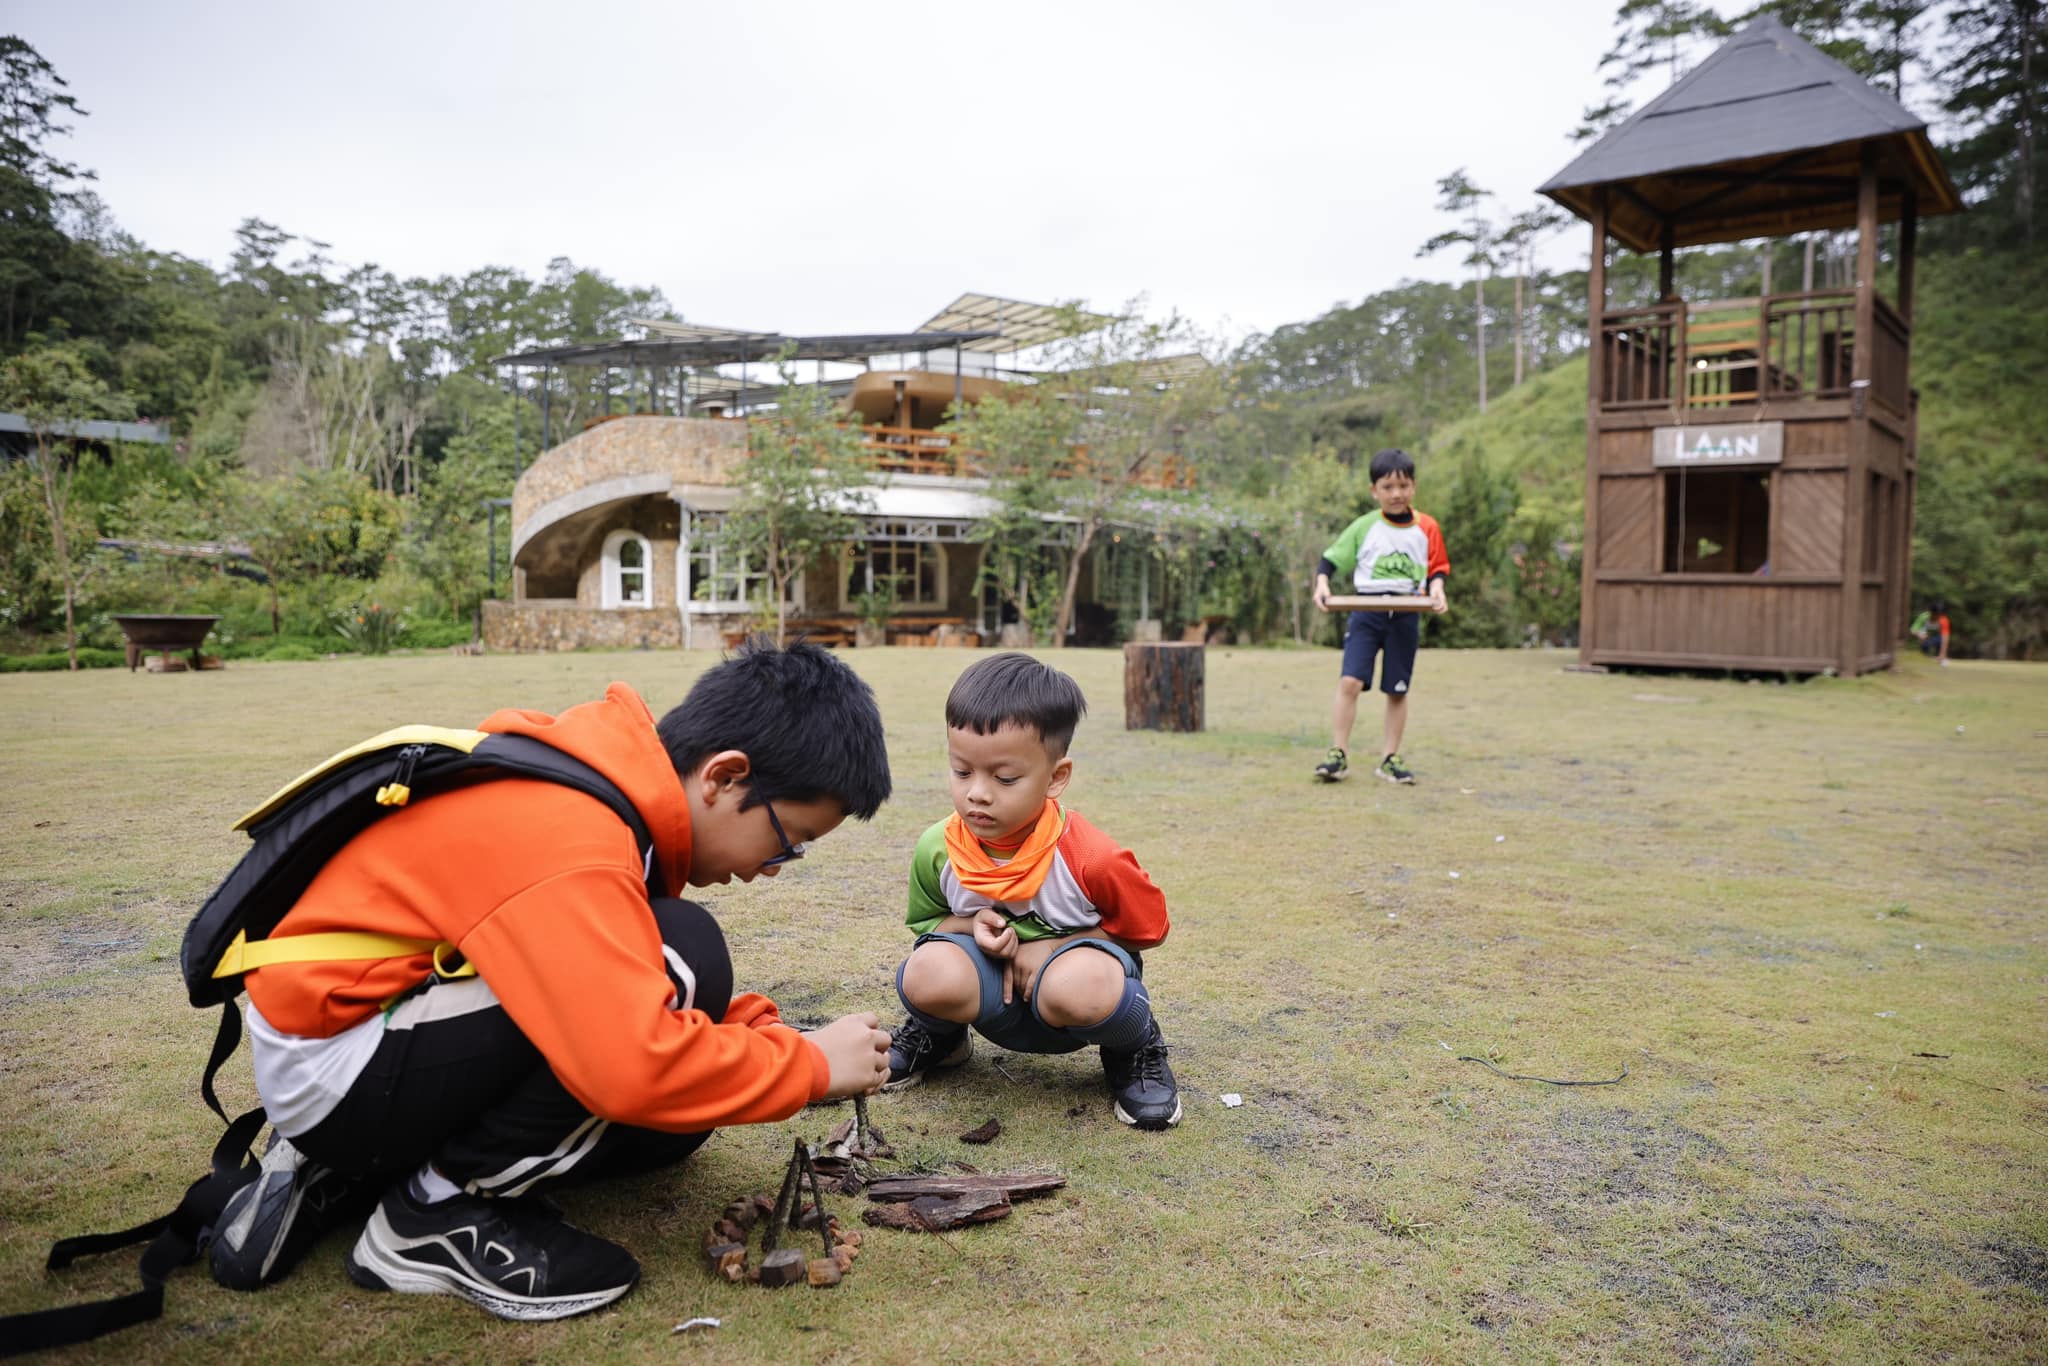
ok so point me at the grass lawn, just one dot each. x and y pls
(1809, 920)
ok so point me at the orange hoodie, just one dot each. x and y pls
(540, 887)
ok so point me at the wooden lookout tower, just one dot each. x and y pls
(1750, 463)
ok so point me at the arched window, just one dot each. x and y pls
(628, 565)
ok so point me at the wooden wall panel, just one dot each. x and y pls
(1758, 625)
(1625, 450)
(1886, 452)
(1807, 535)
(1816, 443)
(1628, 524)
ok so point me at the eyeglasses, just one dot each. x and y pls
(790, 852)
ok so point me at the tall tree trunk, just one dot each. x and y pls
(2026, 17)
(61, 544)
(1066, 617)
(1479, 298)
(1518, 324)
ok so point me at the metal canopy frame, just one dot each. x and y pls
(739, 349)
(1013, 324)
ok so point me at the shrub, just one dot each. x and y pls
(291, 652)
(438, 634)
(56, 660)
(370, 628)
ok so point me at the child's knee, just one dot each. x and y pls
(940, 980)
(1080, 987)
(1347, 686)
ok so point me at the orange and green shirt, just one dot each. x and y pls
(1090, 884)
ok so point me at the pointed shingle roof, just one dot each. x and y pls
(1763, 138)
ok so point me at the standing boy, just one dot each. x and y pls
(1394, 550)
(556, 1023)
(1029, 920)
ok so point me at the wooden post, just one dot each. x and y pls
(1858, 462)
(1596, 357)
(1163, 686)
(1909, 228)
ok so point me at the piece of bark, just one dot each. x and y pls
(985, 1134)
(823, 1272)
(844, 1256)
(719, 1254)
(932, 1214)
(743, 1212)
(730, 1231)
(840, 1132)
(784, 1266)
(847, 1237)
(1013, 1185)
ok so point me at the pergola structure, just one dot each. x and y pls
(674, 360)
(1751, 462)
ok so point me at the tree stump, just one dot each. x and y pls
(1163, 686)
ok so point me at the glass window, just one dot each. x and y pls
(627, 558)
(722, 579)
(917, 566)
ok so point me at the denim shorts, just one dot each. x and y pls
(1016, 1026)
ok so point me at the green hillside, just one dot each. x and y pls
(1981, 528)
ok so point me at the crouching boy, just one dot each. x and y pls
(1029, 920)
(597, 1034)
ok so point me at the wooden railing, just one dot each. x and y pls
(1639, 352)
(920, 450)
(1781, 346)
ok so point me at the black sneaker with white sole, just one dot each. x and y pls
(915, 1050)
(269, 1225)
(1333, 765)
(1146, 1094)
(1394, 771)
(516, 1258)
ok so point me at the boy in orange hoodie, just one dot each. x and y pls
(598, 1035)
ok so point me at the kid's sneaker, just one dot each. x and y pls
(1393, 771)
(269, 1225)
(517, 1258)
(1333, 765)
(1143, 1084)
(915, 1050)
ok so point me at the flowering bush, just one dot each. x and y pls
(370, 628)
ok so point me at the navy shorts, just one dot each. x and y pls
(1016, 1026)
(1394, 636)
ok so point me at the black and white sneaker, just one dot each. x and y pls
(1333, 765)
(915, 1050)
(515, 1258)
(1394, 771)
(269, 1225)
(1146, 1094)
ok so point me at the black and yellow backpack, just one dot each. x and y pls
(295, 832)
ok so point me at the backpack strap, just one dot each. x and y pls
(174, 1239)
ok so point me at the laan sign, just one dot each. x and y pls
(1735, 443)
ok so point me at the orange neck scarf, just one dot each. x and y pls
(1018, 879)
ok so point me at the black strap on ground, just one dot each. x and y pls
(1547, 1081)
(174, 1239)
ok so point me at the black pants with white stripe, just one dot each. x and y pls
(455, 1082)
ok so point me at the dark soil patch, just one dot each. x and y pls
(1586, 1160)
(2021, 1264)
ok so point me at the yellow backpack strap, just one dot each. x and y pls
(339, 947)
(464, 740)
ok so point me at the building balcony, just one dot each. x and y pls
(1732, 359)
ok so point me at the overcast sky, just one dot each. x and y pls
(835, 167)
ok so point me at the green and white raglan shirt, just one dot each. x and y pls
(1391, 557)
(1094, 886)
